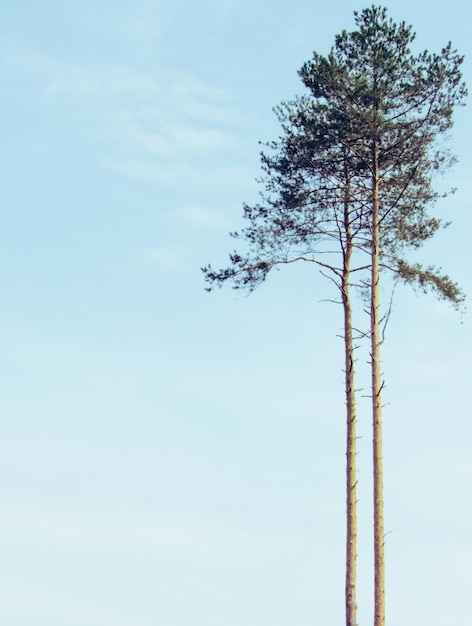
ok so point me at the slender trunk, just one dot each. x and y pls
(351, 479)
(379, 535)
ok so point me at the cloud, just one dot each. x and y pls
(201, 216)
(180, 120)
(164, 127)
(92, 82)
(164, 257)
(183, 175)
(171, 130)
(175, 140)
(169, 88)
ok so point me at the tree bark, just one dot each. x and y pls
(351, 478)
(378, 505)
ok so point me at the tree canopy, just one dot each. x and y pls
(371, 86)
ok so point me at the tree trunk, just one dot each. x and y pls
(379, 535)
(351, 478)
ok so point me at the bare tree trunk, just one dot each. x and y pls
(351, 478)
(379, 534)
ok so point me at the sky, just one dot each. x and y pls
(172, 457)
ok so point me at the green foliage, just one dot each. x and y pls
(370, 90)
(430, 279)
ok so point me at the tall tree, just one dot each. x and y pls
(308, 214)
(400, 104)
(354, 167)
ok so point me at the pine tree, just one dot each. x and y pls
(308, 214)
(399, 105)
(354, 168)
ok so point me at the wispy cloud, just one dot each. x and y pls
(174, 140)
(163, 257)
(163, 126)
(180, 174)
(167, 130)
(93, 82)
(201, 216)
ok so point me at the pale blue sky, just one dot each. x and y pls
(169, 457)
